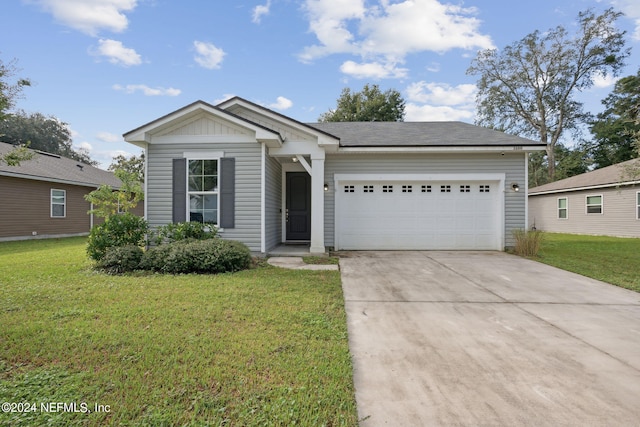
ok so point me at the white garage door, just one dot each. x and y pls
(423, 215)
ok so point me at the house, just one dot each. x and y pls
(601, 202)
(266, 179)
(44, 197)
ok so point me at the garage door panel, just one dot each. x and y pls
(418, 215)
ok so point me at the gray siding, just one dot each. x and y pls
(512, 165)
(273, 203)
(618, 218)
(248, 166)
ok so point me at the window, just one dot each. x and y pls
(58, 203)
(594, 204)
(563, 209)
(387, 188)
(484, 188)
(465, 189)
(203, 191)
(638, 205)
(407, 188)
(445, 189)
(426, 189)
(368, 188)
(349, 189)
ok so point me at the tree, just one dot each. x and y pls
(615, 129)
(529, 88)
(16, 156)
(44, 133)
(369, 105)
(133, 164)
(107, 201)
(9, 91)
(570, 162)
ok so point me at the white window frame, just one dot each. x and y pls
(587, 205)
(206, 155)
(64, 203)
(566, 208)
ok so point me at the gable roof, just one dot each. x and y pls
(610, 176)
(54, 168)
(420, 134)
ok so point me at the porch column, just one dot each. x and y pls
(317, 203)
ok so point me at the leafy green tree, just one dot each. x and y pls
(570, 162)
(10, 91)
(615, 129)
(44, 133)
(133, 164)
(108, 201)
(529, 87)
(369, 105)
(16, 156)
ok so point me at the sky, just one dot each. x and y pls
(106, 67)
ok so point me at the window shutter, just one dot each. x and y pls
(179, 190)
(227, 192)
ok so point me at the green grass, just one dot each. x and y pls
(613, 260)
(266, 346)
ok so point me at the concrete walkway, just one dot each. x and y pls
(296, 263)
(488, 339)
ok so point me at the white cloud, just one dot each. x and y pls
(117, 53)
(90, 16)
(601, 82)
(148, 91)
(260, 11)
(631, 9)
(430, 113)
(388, 31)
(108, 137)
(373, 70)
(208, 55)
(84, 146)
(281, 103)
(442, 93)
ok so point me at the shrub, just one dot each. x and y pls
(117, 230)
(183, 231)
(197, 256)
(528, 242)
(120, 259)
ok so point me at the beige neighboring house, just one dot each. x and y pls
(44, 197)
(601, 202)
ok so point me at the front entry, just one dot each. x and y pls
(298, 206)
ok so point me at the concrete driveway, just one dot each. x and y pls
(488, 339)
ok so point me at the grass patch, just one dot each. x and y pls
(321, 260)
(266, 346)
(613, 260)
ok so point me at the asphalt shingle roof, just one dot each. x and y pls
(611, 175)
(419, 134)
(50, 167)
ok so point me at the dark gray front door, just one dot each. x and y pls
(298, 206)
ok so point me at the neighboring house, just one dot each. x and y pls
(266, 179)
(601, 202)
(44, 197)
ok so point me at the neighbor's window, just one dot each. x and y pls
(638, 205)
(58, 203)
(203, 191)
(594, 204)
(563, 209)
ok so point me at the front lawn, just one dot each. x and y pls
(613, 260)
(265, 346)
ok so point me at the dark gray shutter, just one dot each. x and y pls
(179, 190)
(227, 192)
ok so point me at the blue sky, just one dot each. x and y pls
(108, 66)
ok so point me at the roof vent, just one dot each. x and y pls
(80, 166)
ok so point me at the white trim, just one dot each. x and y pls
(442, 149)
(45, 179)
(558, 207)
(500, 178)
(203, 155)
(586, 204)
(590, 187)
(263, 199)
(304, 163)
(64, 204)
(206, 155)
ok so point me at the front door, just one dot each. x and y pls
(298, 205)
